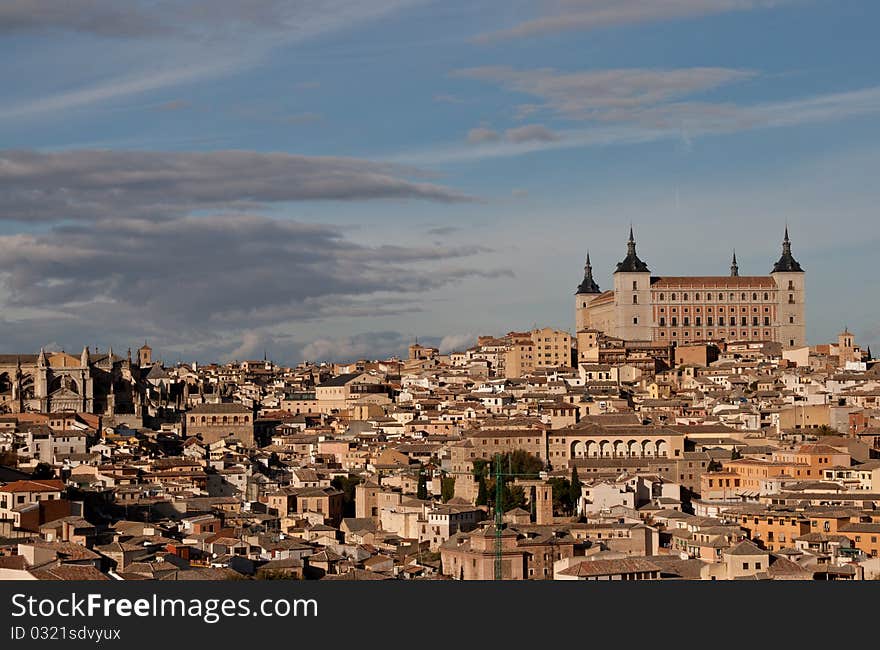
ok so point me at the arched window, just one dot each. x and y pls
(192, 419)
(213, 419)
(235, 419)
(685, 296)
(754, 296)
(662, 297)
(673, 296)
(766, 296)
(204, 419)
(225, 419)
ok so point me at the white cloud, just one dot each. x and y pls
(456, 342)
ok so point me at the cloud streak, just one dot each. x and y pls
(101, 184)
(642, 116)
(584, 15)
(187, 40)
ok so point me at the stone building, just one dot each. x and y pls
(213, 422)
(687, 309)
(52, 382)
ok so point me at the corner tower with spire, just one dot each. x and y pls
(587, 290)
(789, 277)
(632, 295)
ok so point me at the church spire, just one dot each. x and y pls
(588, 285)
(734, 267)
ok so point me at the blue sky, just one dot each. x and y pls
(331, 179)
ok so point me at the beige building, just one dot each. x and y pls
(692, 309)
(214, 422)
(587, 440)
(521, 353)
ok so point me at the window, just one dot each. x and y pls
(635, 285)
(635, 299)
(791, 319)
(662, 321)
(635, 322)
(766, 320)
(661, 297)
(709, 321)
(766, 296)
(745, 566)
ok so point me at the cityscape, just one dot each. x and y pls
(644, 446)
(422, 290)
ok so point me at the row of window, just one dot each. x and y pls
(711, 296)
(699, 335)
(698, 321)
(223, 420)
(697, 310)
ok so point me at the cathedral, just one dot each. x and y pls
(93, 382)
(696, 309)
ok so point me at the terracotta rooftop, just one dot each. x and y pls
(714, 282)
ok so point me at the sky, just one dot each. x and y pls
(329, 180)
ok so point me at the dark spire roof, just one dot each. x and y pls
(734, 267)
(631, 263)
(787, 263)
(589, 284)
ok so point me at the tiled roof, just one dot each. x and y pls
(714, 282)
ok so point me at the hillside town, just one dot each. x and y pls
(629, 462)
(532, 455)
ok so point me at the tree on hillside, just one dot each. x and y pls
(482, 491)
(43, 471)
(422, 489)
(447, 488)
(561, 495)
(574, 489)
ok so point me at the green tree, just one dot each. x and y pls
(561, 495)
(347, 484)
(482, 491)
(514, 496)
(43, 471)
(447, 488)
(574, 488)
(422, 489)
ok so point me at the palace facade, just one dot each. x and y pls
(692, 309)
